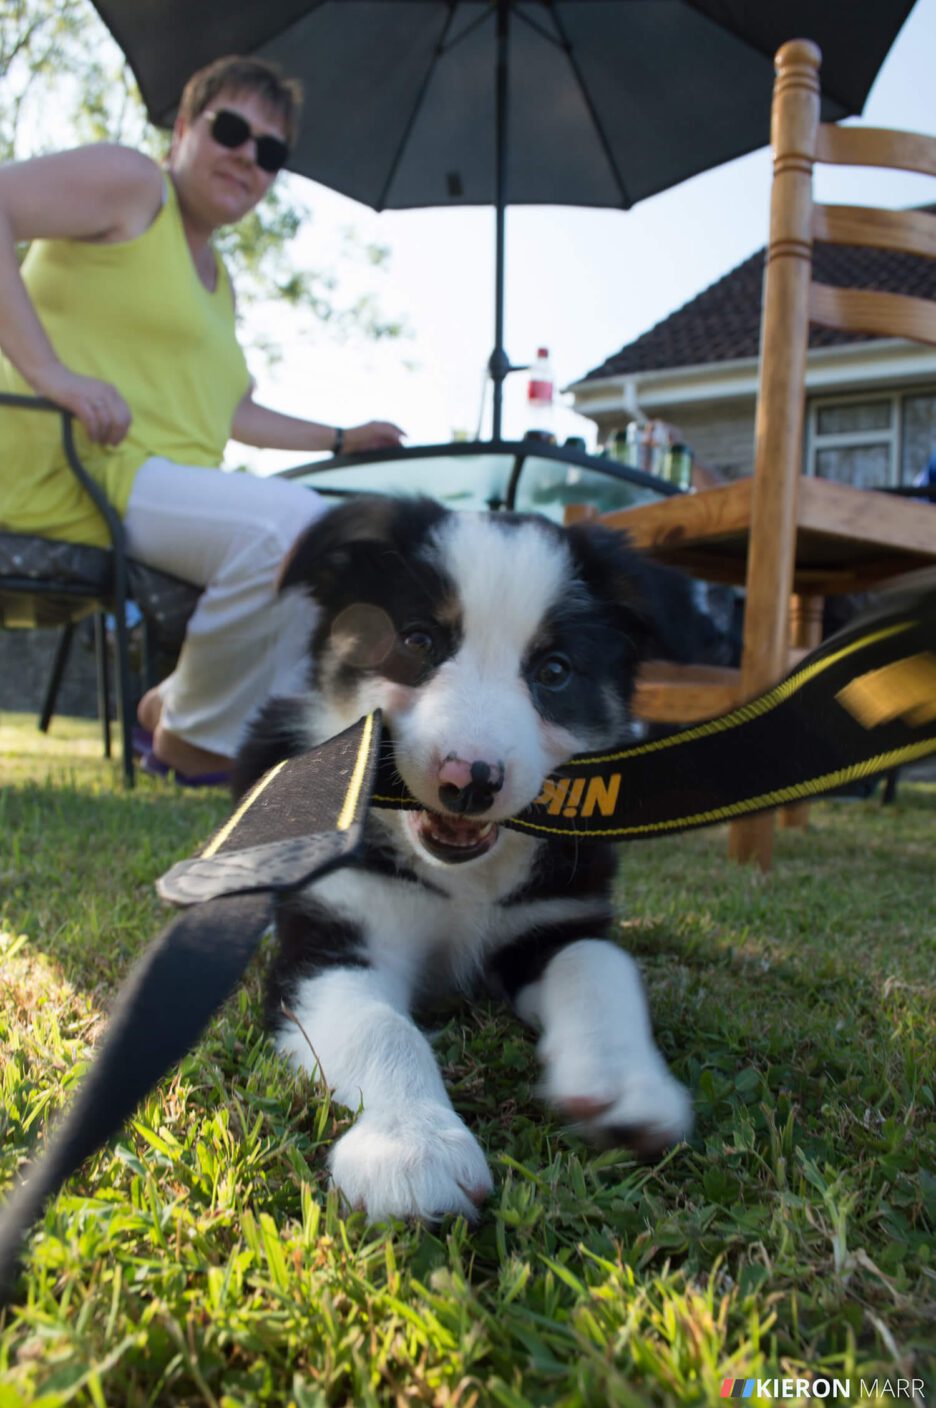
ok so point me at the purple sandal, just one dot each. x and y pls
(142, 741)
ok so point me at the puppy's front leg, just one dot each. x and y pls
(601, 1065)
(408, 1154)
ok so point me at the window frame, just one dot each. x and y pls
(892, 437)
(845, 439)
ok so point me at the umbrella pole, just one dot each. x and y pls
(499, 364)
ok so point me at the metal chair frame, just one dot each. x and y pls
(114, 600)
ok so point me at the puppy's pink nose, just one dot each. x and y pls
(468, 787)
(455, 772)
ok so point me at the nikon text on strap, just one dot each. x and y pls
(862, 704)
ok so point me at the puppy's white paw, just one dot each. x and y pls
(635, 1103)
(411, 1161)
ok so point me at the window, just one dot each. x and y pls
(872, 441)
(919, 435)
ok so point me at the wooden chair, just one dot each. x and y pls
(47, 583)
(792, 540)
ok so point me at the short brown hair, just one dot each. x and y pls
(282, 95)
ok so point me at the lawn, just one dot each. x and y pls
(202, 1259)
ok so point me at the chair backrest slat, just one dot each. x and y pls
(870, 311)
(907, 231)
(876, 146)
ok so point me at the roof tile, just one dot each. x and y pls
(723, 322)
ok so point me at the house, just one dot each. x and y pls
(871, 402)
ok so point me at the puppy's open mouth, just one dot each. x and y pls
(452, 838)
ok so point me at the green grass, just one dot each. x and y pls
(202, 1259)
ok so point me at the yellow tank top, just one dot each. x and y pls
(137, 315)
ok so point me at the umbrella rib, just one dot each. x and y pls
(531, 23)
(567, 46)
(483, 18)
(417, 107)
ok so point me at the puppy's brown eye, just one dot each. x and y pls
(417, 640)
(553, 672)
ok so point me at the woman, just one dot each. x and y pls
(124, 314)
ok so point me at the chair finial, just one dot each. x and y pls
(798, 54)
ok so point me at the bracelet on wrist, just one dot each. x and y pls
(339, 441)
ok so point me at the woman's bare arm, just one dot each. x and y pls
(271, 430)
(103, 193)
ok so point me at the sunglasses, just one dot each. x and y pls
(231, 130)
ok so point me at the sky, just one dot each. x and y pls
(582, 282)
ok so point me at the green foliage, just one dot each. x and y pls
(64, 82)
(203, 1259)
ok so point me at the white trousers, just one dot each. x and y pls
(244, 643)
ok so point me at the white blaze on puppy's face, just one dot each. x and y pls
(477, 706)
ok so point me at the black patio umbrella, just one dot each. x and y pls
(473, 102)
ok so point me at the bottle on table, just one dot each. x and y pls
(647, 444)
(541, 391)
(678, 467)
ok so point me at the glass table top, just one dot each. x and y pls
(528, 476)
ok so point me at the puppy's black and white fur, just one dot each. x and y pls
(498, 647)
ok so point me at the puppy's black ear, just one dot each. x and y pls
(327, 549)
(322, 550)
(655, 605)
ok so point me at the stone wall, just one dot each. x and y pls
(722, 435)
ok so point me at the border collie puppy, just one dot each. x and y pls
(498, 646)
